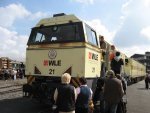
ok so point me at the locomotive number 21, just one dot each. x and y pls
(51, 71)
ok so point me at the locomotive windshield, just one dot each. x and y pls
(71, 32)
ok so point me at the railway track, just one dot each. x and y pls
(10, 86)
(11, 91)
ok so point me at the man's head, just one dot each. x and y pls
(112, 47)
(101, 38)
(119, 76)
(83, 80)
(117, 54)
(65, 78)
(110, 74)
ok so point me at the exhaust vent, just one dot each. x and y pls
(60, 14)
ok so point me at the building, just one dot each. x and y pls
(16, 64)
(144, 59)
(5, 62)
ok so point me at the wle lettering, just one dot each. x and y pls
(93, 56)
(52, 62)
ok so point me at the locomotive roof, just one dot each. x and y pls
(58, 20)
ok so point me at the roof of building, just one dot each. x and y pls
(6, 58)
(137, 55)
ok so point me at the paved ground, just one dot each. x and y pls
(138, 102)
(20, 105)
(11, 88)
(138, 98)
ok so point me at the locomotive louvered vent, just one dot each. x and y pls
(60, 14)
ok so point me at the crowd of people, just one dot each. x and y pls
(109, 92)
(71, 100)
(13, 73)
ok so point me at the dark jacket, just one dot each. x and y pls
(83, 97)
(99, 90)
(66, 98)
(116, 65)
(113, 90)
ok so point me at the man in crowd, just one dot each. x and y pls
(116, 63)
(147, 80)
(84, 97)
(113, 92)
(65, 95)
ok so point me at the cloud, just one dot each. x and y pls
(147, 3)
(101, 29)
(9, 14)
(13, 44)
(133, 34)
(129, 51)
(84, 1)
(146, 32)
(125, 6)
(38, 15)
(133, 31)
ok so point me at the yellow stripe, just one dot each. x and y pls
(30, 79)
(78, 80)
(74, 83)
(64, 46)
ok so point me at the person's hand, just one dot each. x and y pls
(91, 105)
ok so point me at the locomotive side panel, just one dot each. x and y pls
(55, 62)
(92, 64)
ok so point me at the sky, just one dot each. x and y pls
(124, 23)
